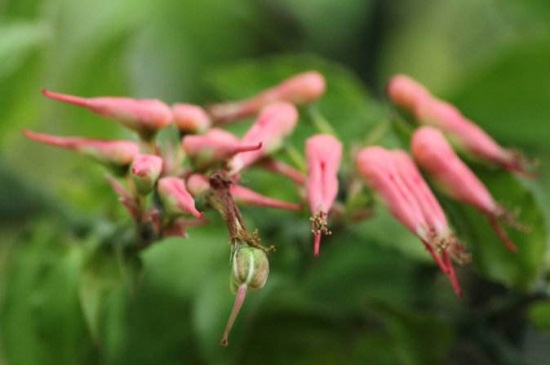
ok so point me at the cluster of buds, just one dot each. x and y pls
(158, 185)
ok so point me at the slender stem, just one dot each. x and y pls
(319, 121)
(239, 300)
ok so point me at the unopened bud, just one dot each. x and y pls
(299, 89)
(175, 198)
(250, 269)
(117, 155)
(216, 145)
(274, 124)
(145, 116)
(191, 118)
(145, 171)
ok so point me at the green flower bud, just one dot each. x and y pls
(250, 269)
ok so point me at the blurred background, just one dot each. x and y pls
(373, 296)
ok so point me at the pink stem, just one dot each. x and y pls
(239, 300)
(436, 257)
(285, 170)
(510, 245)
(317, 244)
(452, 274)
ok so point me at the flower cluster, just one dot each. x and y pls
(158, 184)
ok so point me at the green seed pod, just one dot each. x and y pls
(250, 267)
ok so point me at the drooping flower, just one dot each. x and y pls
(274, 123)
(145, 171)
(393, 175)
(467, 135)
(323, 155)
(435, 155)
(117, 155)
(300, 89)
(175, 198)
(214, 146)
(191, 118)
(145, 116)
(250, 270)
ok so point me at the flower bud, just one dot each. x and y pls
(175, 198)
(117, 155)
(274, 123)
(214, 146)
(436, 156)
(250, 269)
(145, 171)
(145, 116)
(400, 185)
(406, 92)
(299, 89)
(190, 118)
(323, 155)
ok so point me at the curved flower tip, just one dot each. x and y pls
(145, 171)
(323, 156)
(116, 154)
(275, 122)
(436, 156)
(145, 116)
(191, 118)
(214, 146)
(406, 92)
(175, 198)
(299, 89)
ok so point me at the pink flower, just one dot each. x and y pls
(191, 118)
(430, 110)
(323, 155)
(393, 175)
(175, 198)
(436, 156)
(145, 116)
(145, 171)
(300, 89)
(406, 92)
(216, 145)
(115, 154)
(198, 185)
(274, 123)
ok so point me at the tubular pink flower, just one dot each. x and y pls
(436, 156)
(175, 198)
(198, 184)
(145, 171)
(406, 92)
(116, 154)
(395, 178)
(274, 123)
(191, 118)
(427, 109)
(323, 155)
(145, 116)
(299, 89)
(216, 145)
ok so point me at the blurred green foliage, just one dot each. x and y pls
(69, 296)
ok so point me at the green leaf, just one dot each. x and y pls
(105, 275)
(41, 318)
